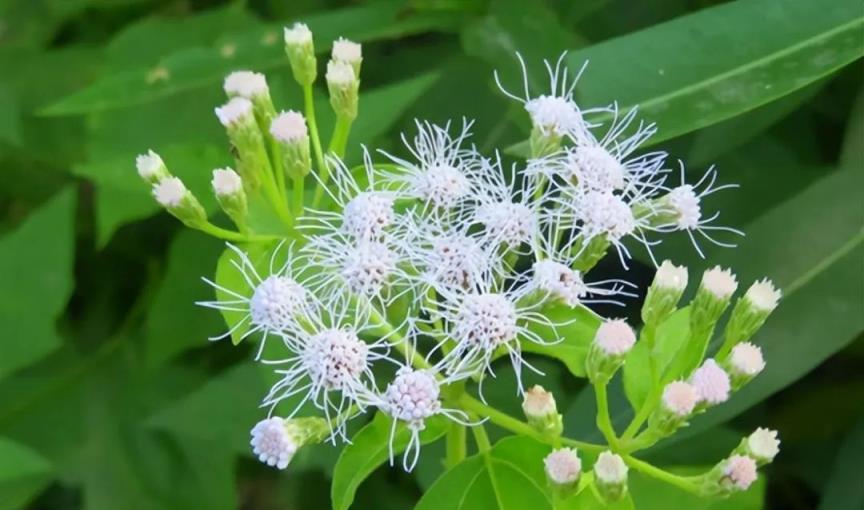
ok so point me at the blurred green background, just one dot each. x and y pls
(110, 395)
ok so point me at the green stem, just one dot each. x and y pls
(339, 139)
(647, 336)
(456, 445)
(604, 422)
(399, 342)
(299, 196)
(230, 235)
(684, 483)
(482, 439)
(309, 104)
(519, 427)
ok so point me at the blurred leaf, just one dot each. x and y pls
(22, 474)
(369, 449)
(576, 332)
(509, 476)
(9, 122)
(260, 50)
(35, 281)
(761, 50)
(651, 494)
(852, 154)
(121, 196)
(588, 500)
(175, 323)
(845, 490)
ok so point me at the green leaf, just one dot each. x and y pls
(175, 323)
(844, 490)
(260, 50)
(651, 494)
(507, 477)
(670, 336)
(760, 51)
(36, 281)
(369, 449)
(9, 122)
(576, 332)
(23, 473)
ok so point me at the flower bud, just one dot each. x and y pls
(712, 383)
(563, 469)
(750, 311)
(343, 86)
(677, 403)
(348, 52)
(744, 363)
(301, 53)
(289, 131)
(541, 412)
(276, 440)
(228, 188)
(252, 86)
(712, 298)
(762, 446)
(179, 201)
(735, 474)
(610, 475)
(664, 293)
(237, 115)
(151, 168)
(612, 342)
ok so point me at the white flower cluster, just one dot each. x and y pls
(443, 233)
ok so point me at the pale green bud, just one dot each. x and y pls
(348, 52)
(677, 404)
(563, 469)
(750, 311)
(228, 188)
(290, 132)
(238, 117)
(664, 293)
(735, 474)
(612, 341)
(301, 53)
(343, 86)
(762, 446)
(712, 298)
(541, 412)
(151, 168)
(179, 201)
(610, 475)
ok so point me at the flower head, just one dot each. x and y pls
(680, 398)
(670, 276)
(298, 34)
(563, 466)
(272, 443)
(226, 182)
(711, 382)
(740, 470)
(346, 51)
(169, 192)
(237, 110)
(149, 165)
(719, 282)
(763, 295)
(245, 84)
(289, 127)
(746, 359)
(610, 468)
(615, 337)
(763, 444)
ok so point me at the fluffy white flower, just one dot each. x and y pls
(610, 468)
(670, 276)
(269, 304)
(563, 466)
(169, 192)
(346, 51)
(741, 471)
(746, 359)
(245, 84)
(272, 443)
(148, 164)
(506, 210)
(615, 337)
(680, 398)
(721, 283)
(236, 110)
(226, 182)
(711, 382)
(298, 34)
(763, 295)
(763, 444)
(289, 127)
(340, 74)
